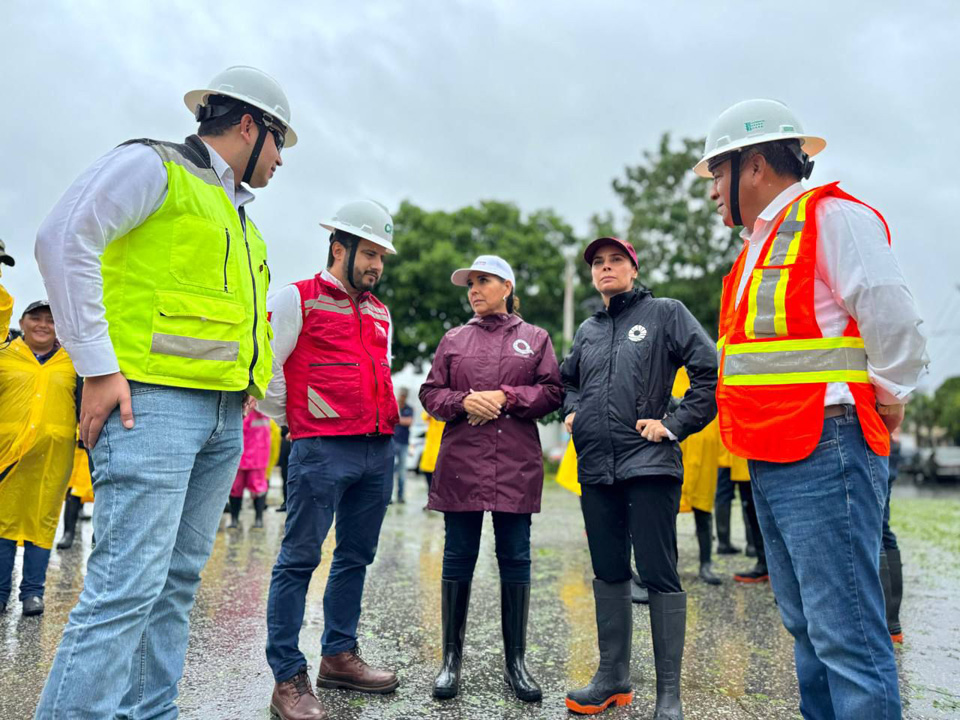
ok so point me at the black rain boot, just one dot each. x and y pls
(514, 610)
(259, 505)
(71, 512)
(454, 600)
(235, 504)
(724, 547)
(895, 572)
(751, 549)
(705, 540)
(610, 685)
(668, 625)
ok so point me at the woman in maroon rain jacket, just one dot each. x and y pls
(490, 381)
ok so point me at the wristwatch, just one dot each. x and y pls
(889, 409)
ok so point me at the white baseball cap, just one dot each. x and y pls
(489, 264)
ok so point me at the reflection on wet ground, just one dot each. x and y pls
(738, 661)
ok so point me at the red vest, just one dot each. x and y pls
(775, 363)
(338, 375)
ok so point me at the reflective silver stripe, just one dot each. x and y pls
(795, 361)
(168, 154)
(196, 348)
(374, 313)
(781, 246)
(319, 407)
(325, 307)
(786, 234)
(375, 308)
(763, 324)
(345, 302)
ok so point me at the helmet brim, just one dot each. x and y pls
(810, 144)
(199, 97)
(356, 232)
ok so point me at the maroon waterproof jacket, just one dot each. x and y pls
(497, 466)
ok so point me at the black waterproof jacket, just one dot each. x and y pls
(621, 369)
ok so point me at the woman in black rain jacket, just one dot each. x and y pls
(617, 382)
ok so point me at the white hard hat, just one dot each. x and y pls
(489, 264)
(752, 122)
(249, 85)
(365, 219)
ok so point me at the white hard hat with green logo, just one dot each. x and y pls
(251, 86)
(753, 122)
(366, 219)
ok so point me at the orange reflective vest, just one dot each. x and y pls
(774, 361)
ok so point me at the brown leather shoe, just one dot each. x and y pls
(294, 699)
(349, 670)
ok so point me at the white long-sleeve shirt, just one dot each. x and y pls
(286, 319)
(112, 197)
(857, 275)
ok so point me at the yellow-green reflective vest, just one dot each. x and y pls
(185, 292)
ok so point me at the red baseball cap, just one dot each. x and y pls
(600, 242)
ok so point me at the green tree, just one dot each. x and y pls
(946, 401)
(921, 417)
(683, 247)
(431, 245)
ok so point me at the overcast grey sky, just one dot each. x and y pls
(449, 102)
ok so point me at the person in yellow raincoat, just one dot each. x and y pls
(80, 491)
(700, 453)
(431, 448)
(37, 431)
(6, 300)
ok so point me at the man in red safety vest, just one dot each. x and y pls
(820, 347)
(332, 381)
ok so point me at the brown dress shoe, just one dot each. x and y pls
(348, 670)
(294, 699)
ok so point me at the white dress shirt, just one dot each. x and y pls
(856, 275)
(286, 319)
(112, 197)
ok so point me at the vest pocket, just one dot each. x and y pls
(195, 337)
(202, 254)
(333, 390)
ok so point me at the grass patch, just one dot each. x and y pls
(932, 521)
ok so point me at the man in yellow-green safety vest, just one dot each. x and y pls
(158, 279)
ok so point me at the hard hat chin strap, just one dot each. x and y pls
(255, 154)
(350, 245)
(735, 188)
(350, 264)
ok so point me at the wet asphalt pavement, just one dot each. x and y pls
(738, 660)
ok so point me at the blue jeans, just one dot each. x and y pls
(350, 478)
(821, 519)
(160, 488)
(35, 560)
(399, 466)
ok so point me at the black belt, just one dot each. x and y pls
(832, 411)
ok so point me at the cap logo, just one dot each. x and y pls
(522, 347)
(753, 125)
(637, 333)
(388, 229)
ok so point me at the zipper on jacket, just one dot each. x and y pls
(373, 365)
(613, 340)
(226, 261)
(256, 314)
(330, 364)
